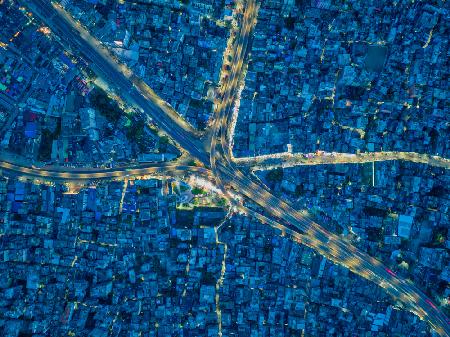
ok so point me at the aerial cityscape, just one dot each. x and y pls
(224, 168)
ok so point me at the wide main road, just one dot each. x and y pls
(316, 237)
(73, 174)
(224, 109)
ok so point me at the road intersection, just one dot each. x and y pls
(228, 176)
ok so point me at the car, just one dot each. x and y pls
(391, 272)
(431, 304)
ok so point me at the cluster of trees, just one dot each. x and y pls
(47, 138)
(136, 133)
(197, 191)
(105, 105)
(275, 176)
(108, 108)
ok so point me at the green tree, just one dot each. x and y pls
(275, 176)
(105, 105)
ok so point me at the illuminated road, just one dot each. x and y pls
(227, 173)
(269, 162)
(55, 174)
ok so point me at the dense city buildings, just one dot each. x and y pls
(346, 76)
(396, 211)
(176, 47)
(224, 168)
(124, 259)
(54, 112)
